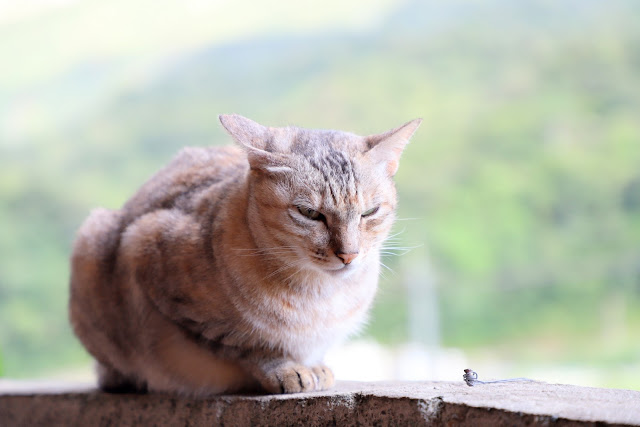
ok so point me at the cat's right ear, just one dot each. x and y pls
(253, 138)
(245, 131)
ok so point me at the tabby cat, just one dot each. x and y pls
(236, 268)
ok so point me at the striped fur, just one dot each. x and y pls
(211, 279)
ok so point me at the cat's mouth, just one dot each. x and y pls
(334, 267)
(340, 269)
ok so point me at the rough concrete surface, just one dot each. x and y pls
(347, 404)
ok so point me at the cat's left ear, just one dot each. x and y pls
(253, 137)
(385, 149)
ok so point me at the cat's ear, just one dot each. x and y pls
(253, 137)
(385, 149)
(245, 131)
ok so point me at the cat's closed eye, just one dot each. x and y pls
(310, 213)
(370, 211)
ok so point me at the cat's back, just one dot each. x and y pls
(192, 171)
(179, 185)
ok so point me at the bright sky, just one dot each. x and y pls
(42, 37)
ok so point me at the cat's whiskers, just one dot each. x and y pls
(271, 255)
(383, 272)
(281, 258)
(274, 255)
(397, 250)
(289, 279)
(273, 251)
(389, 240)
(286, 266)
(390, 246)
(395, 235)
(264, 249)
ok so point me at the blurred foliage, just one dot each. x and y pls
(523, 182)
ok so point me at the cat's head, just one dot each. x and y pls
(321, 199)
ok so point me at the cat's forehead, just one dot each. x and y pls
(332, 155)
(335, 178)
(329, 165)
(311, 142)
(326, 142)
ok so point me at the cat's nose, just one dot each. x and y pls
(347, 258)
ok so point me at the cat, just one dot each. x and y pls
(234, 269)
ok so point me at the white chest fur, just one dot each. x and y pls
(325, 311)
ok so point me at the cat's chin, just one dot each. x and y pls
(334, 268)
(342, 270)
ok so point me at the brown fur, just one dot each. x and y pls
(210, 279)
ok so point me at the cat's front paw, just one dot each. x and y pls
(324, 376)
(296, 378)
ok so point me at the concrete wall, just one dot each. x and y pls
(349, 403)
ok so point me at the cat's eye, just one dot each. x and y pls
(310, 213)
(371, 211)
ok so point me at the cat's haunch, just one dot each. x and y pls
(236, 268)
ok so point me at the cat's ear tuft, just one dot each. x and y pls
(385, 149)
(245, 131)
(266, 162)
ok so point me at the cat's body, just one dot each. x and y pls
(223, 274)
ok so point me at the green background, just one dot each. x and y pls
(521, 189)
